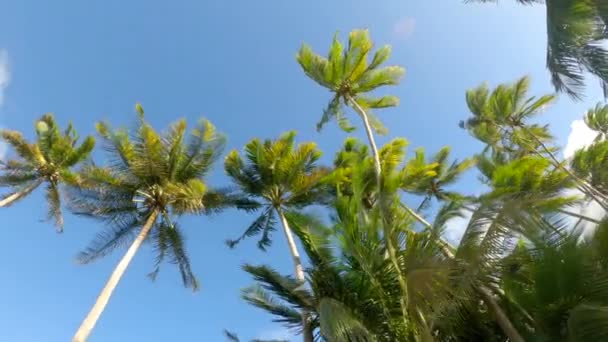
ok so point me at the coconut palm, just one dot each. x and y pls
(283, 177)
(48, 161)
(500, 119)
(350, 76)
(151, 180)
(575, 33)
(597, 120)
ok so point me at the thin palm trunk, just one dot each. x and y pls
(501, 318)
(392, 252)
(89, 322)
(299, 272)
(370, 136)
(20, 194)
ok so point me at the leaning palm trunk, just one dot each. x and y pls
(20, 194)
(299, 273)
(89, 322)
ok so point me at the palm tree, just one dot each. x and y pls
(283, 177)
(501, 121)
(350, 76)
(151, 179)
(575, 33)
(597, 120)
(49, 160)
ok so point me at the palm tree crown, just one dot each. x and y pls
(279, 175)
(148, 174)
(349, 75)
(49, 160)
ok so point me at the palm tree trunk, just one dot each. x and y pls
(501, 318)
(370, 136)
(299, 272)
(89, 322)
(20, 194)
(392, 252)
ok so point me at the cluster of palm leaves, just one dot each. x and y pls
(530, 265)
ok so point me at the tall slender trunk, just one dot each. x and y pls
(298, 272)
(102, 300)
(370, 136)
(392, 251)
(20, 194)
(501, 318)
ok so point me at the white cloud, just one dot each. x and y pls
(404, 28)
(580, 136)
(279, 334)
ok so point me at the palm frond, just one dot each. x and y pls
(54, 203)
(264, 224)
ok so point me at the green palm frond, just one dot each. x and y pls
(284, 314)
(151, 172)
(588, 322)
(575, 34)
(169, 245)
(120, 234)
(349, 74)
(47, 160)
(54, 202)
(597, 119)
(264, 224)
(277, 174)
(338, 324)
(591, 164)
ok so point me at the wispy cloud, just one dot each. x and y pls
(404, 28)
(5, 78)
(580, 136)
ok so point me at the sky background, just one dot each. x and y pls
(234, 63)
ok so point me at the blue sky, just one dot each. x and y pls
(232, 62)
